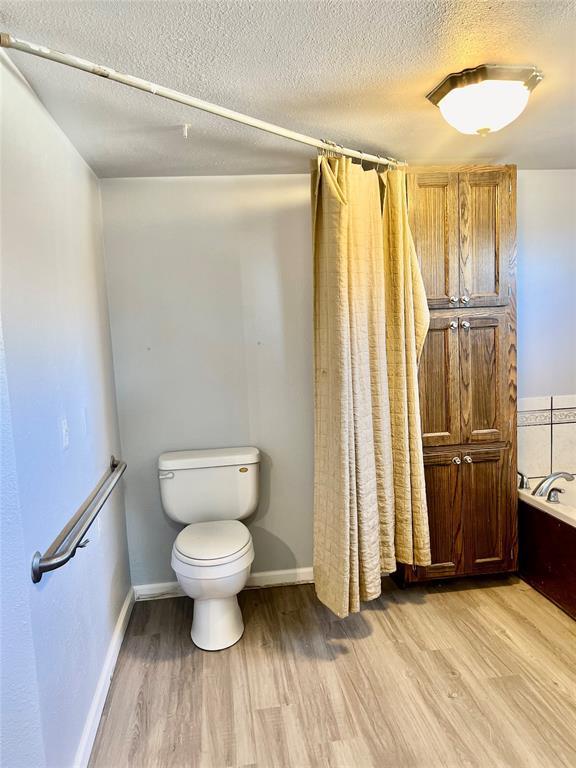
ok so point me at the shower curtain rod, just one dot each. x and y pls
(8, 41)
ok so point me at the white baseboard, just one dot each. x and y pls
(164, 589)
(99, 699)
(157, 591)
(280, 578)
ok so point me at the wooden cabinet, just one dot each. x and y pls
(486, 236)
(471, 528)
(488, 522)
(463, 378)
(444, 497)
(484, 349)
(433, 212)
(463, 223)
(439, 382)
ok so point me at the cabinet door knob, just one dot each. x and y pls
(456, 460)
(454, 324)
(468, 459)
(465, 324)
(453, 299)
(465, 299)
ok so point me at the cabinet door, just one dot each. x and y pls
(487, 513)
(444, 496)
(439, 383)
(487, 236)
(433, 213)
(484, 410)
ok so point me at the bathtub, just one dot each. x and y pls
(547, 545)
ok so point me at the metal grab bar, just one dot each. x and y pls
(64, 546)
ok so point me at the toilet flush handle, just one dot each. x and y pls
(163, 475)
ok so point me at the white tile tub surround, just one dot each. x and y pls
(547, 435)
(535, 436)
(535, 450)
(564, 447)
(564, 433)
(534, 403)
(562, 401)
(533, 418)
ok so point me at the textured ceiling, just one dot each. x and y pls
(356, 72)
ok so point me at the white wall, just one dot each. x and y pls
(210, 291)
(57, 364)
(546, 283)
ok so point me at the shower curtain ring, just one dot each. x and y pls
(328, 152)
(335, 149)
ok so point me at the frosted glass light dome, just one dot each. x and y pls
(485, 99)
(484, 107)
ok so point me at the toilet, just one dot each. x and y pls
(210, 492)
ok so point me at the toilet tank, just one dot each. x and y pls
(216, 484)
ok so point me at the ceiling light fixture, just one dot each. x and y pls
(484, 99)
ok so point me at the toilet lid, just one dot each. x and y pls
(212, 541)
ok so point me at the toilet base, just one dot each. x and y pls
(217, 623)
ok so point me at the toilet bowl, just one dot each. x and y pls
(210, 491)
(212, 564)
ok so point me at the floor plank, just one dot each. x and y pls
(479, 674)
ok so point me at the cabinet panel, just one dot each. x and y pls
(483, 378)
(486, 512)
(443, 494)
(486, 236)
(439, 383)
(433, 212)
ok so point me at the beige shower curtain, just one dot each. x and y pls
(370, 321)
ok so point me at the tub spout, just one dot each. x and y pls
(545, 485)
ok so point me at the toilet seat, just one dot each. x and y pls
(214, 543)
(209, 570)
(216, 550)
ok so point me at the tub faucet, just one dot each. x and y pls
(524, 483)
(545, 485)
(553, 495)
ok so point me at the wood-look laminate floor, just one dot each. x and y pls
(465, 674)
